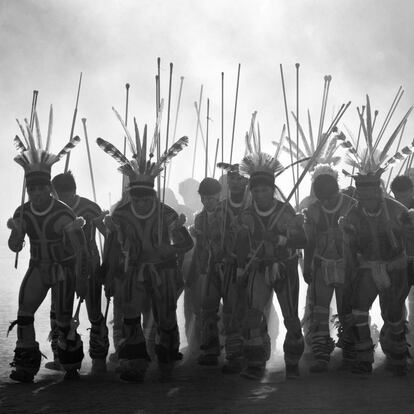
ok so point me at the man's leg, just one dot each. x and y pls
(27, 356)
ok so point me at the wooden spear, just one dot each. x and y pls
(72, 129)
(235, 113)
(32, 116)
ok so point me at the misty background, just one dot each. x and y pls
(365, 46)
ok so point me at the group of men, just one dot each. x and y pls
(246, 245)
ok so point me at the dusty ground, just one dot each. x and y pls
(197, 389)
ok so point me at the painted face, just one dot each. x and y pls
(263, 196)
(39, 195)
(405, 197)
(68, 197)
(143, 205)
(236, 182)
(210, 202)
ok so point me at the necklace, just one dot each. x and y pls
(45, 211)
(335, 208)
(143, 216)
(266, 212)
(234, 204)
(372, 214)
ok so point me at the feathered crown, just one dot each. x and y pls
(369, 161)
(35, 158)
(229, 168)
(140, 170)
(308, 148)
(324, 169)
(259, 166)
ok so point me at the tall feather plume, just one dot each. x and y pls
(153, 146)
(280, 144)
(143, 158)
(330, 149)
(68, 147)
(32, 144)
(399, 156)
(295, 149)
(128, 135)
(394, 135)
(173, 150)
(112, 151)
(23, 133)
(137, 140)
(312, 142)
(19, 144)
(369, 127)
(302, 135)
(351, 150)
(49, 128)
(249, 148)
(38, 134)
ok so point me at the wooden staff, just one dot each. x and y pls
(32, 116)
(297, 65)
(222, 119)
(126, 123)
(288, 127)
(357, 143)
(208, 117)
(215, 157)
(158, 139)
(197, 129)
(389, 115)
(234, 113)
(327, 80)
(175, 124)
(72, 129)
(166, 144)
(201, 130)
(398, 147)
(91, 174)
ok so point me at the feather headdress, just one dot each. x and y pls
(259, 166)
(307, 147)
(324, 169)
(141, 170)
(34, 157)
(369, 161)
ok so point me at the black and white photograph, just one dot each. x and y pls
(206, 206)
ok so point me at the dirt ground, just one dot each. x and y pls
(196, 389)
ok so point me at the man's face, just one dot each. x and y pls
(405, 197)
(68, 197)
(237, 183)
(39, 194)
(210, 202)
(331, 201)
(143, 205)
(263, 196)
(371, 204)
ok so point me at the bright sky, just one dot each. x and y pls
(365, 45)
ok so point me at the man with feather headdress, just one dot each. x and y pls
(145, 237)
(266, 243)
(374, 252)
(323, 264)
(58, 259)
